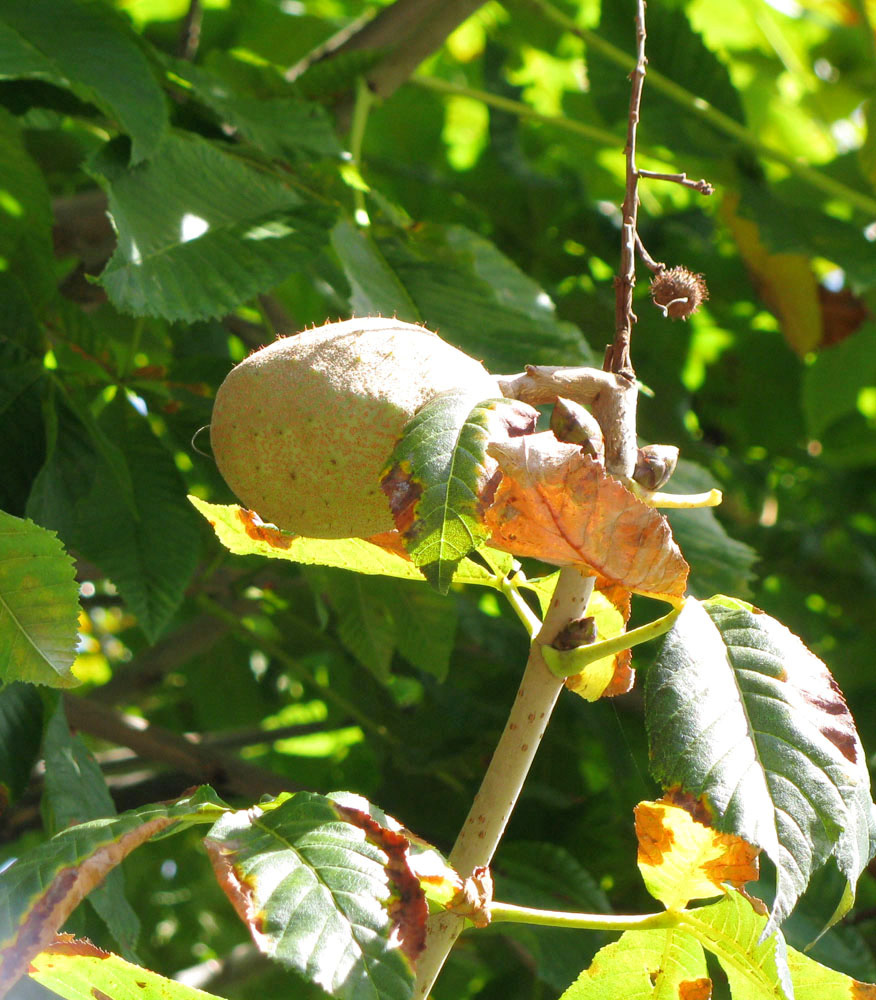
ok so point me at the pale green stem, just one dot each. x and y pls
(364, 100)
(703, 109)
(531, 621)
(509, 913)
(564, 663)
(592, 132)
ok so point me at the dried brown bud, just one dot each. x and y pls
(679, 292)
(655, 464)
(578, 632)
(575, 424)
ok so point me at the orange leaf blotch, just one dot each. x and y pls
(560, 506)
(655, 839)
(695, 989)
(408, 909)
(256, 528)
(862, 991)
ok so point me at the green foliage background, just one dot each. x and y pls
(493, 219)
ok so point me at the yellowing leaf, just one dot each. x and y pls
(681, 858)
(785, 281)
(562, 507)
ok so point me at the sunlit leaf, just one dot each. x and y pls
(646, 965)
(682, 858)
(199, 231)
(43, 887)
(39, 605)
(734, 931)
(244, 533)
(97, 55)
(325, 890)
(563, 508)
(740, 714)
(76, 970)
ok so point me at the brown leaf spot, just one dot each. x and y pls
(408, 909)
(825, 704)
(699, 808)
(695, 989)
(256, 528)
(862, 991)
(402, 491)
(99, 994)
(236, 888)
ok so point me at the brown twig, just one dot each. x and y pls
(190, 34)
(703, 186)
(617, 357)
(512, 759)
(654, 265)
(153, 743)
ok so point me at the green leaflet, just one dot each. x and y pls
(41, 889)
(200, 231)
(434, 479)
(642, 965)
(740, 714)
(304, 855)
(39, 605)
(75, 791)
(97, 56)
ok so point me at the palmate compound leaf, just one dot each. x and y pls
(43, 887)
(742, 716)
(39, 605)
(439, 477)
(560, 506)
(326, 890)
(243, 532)
(76, 970)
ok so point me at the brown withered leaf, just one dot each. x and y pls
(562, 507)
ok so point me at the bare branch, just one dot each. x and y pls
(190, 35)
(655, 265)
(703, 186)
(409, 31)
(618, 355)
(203, 764)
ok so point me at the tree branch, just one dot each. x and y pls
(512, 759)
(202, 763)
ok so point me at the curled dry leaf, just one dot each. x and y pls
(561, 507)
